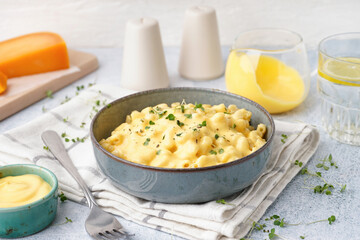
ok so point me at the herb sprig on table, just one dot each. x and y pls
(277, 221)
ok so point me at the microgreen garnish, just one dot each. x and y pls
(158, 111)
(189, 116)
(49, 94)
(213, 152)
(97, 102)
(171, 117)
(108, 105)
(62, 197)
(147, 127)
(67, 140)
(158, 152)
(203, 124)
(221, 151)
(46, 148)
(43, 109)
(234, 126)
(179, 134)
(199, 105)
(66, 119)
(151, 122)
(82, 125)
(283, 138)
(302, 237)
(65, 100)
(182, 108)
(180, 124)
(146, 142)
(68, 220)
(272, 233)
(331, 219)
(298, 163)
(79, 88)
(216, 136)
(324, 161)
(222, 201)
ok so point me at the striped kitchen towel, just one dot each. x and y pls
(209, 220)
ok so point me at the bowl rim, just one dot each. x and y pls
(54, 188)
(183, 170)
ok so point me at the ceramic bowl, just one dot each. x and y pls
(170, 185)
(33, 217)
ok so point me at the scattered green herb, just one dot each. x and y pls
(171, 117)
(49, 94)
(221, 151)
(331, 219)
(179, 134)
(66, 119)
(158, 152)
(298, 163)
(108, 105)
(146, 142)
(65, 100)
(67, 140)
(329, 160)
(199, 106)
(189, 116)
(82, 124)
(283, 138)
(62, 197)
(182, 108)
(43, 109)
(216, 136)
(180, 124)
(147, 127)
(151, 122)
(46, 148)
(213, 152)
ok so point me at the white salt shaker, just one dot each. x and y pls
(200, 55)
(143, 66)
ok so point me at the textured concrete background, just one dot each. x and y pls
(95, 23)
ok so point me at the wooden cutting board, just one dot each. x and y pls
(24, 91)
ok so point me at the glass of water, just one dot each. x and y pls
(339, 86)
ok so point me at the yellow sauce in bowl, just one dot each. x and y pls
(20, 190)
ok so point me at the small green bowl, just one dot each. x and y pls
(33, 217)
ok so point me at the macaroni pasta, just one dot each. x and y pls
(185, 136)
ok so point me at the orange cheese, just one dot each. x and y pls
(33, 53)
(3, 82)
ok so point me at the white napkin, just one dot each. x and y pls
(209, 220)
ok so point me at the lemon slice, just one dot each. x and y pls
(345, 71)
(265, 80)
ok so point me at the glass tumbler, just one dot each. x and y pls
(339, 86)
(270, 67)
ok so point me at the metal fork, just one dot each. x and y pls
(99, 224)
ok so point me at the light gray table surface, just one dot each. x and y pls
(296, 203)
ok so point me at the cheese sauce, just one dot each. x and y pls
(20, 190)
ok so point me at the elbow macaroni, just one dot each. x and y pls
(185, 136)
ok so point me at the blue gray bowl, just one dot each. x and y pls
(170, 185)
(33, 217)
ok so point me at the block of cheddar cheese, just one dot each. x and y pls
(3, 82)
(33, 53)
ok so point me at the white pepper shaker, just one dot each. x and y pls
(200, 55)
(143, 66)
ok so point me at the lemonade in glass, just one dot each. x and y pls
(339, 86)
(270, 67)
